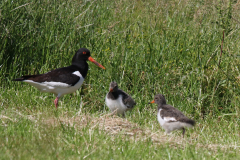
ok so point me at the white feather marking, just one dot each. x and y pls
(77, 73)
(58, 88)
(56, 84)
(116, 105)
(169, 119)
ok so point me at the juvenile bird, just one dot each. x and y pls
(169, 117)
(118, 101)
(64, 80)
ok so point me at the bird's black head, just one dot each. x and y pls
(83, 54)
(159, 99)
(113, 87)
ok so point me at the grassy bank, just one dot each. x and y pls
(169, 47)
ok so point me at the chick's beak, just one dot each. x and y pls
(151, 102)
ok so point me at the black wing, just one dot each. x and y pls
(64, 75)
(127, 99)
(170, 111)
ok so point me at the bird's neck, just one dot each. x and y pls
(82, 67)
(160, 106)
(113, 95)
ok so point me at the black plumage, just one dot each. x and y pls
(63, 80)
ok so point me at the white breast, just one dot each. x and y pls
(58, 88)
(160, 119)
(116, 105)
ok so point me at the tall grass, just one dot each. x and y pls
(148, 47)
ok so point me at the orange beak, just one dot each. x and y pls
(152, 101)
(110, 90)
(95, 62)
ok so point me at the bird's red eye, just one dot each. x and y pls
(84, 52)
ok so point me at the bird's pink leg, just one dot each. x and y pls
(56, 102)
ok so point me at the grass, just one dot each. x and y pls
(148, 47)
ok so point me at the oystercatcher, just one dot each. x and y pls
(64, 80)
(169, 117)
(118, 101)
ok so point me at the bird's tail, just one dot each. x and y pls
(188, 122)
(24, 78)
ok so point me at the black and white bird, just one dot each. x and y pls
(118, 101)
(169, 117)
(64, 80)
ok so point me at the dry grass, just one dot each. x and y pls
(117, 127)
(114, 125)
